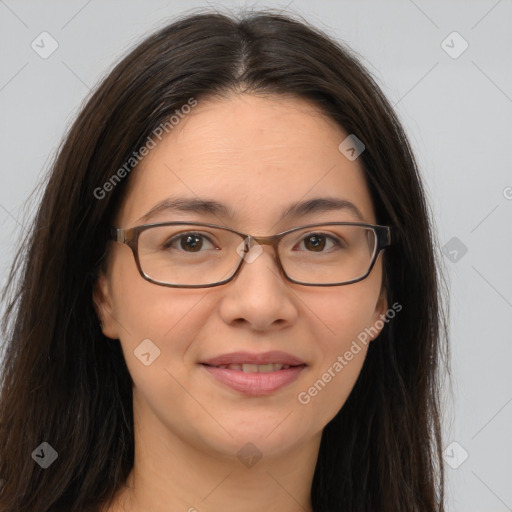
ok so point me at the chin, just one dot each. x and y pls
(254, 435)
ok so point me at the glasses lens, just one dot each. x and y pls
(185, 254)
(328, 254)
(188, 255)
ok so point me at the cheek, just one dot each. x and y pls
(169, 318)
(164, 323)
(341, 314)
(342, 320)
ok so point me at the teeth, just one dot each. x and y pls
(256, 368)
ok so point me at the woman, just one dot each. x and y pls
(230, 298)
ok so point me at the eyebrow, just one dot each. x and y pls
(212, 207)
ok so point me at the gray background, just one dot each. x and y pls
(457, 113)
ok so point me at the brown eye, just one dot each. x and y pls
(188, 242)
(193, 242)
(315, 242)
(319, 242)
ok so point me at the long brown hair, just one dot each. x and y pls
(64, 383)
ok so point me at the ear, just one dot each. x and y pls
(379, 315)
(102, 300)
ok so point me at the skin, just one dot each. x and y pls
(257, 155)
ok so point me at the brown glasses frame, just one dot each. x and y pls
(130, 237)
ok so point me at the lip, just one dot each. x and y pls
(274, 357)
(255, 384)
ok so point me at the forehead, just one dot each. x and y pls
(257, 155)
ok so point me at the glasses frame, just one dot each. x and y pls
(130, 237)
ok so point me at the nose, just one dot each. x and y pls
(259, 295)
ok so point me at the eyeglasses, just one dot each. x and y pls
(199, 255)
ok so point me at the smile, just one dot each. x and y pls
(254, 374)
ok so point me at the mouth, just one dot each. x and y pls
(255, 374)
(254, 368)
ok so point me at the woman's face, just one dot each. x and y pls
(257, 156)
